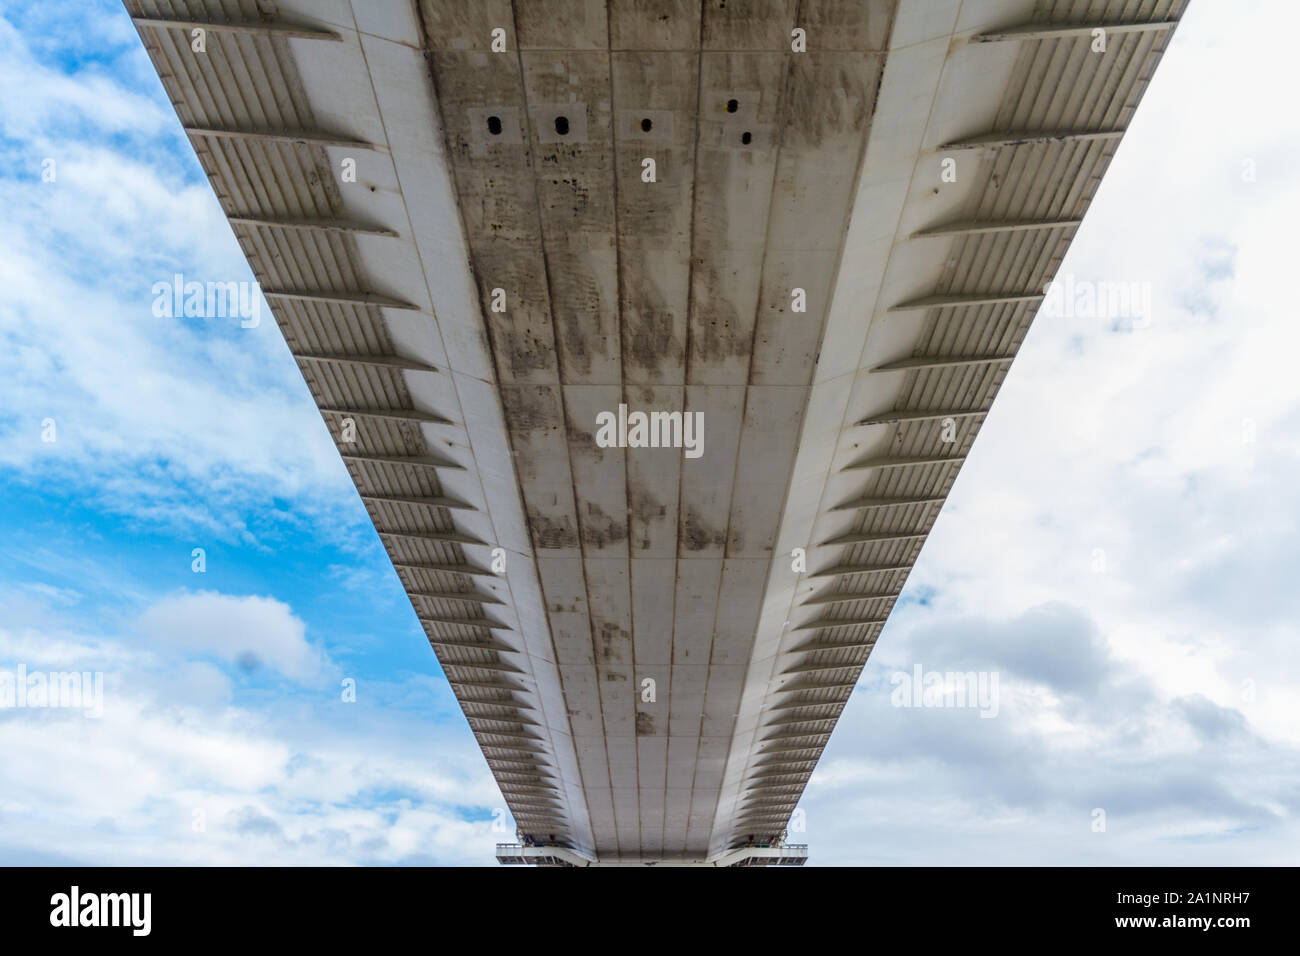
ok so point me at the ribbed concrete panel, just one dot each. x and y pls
(388, 367)
(674, 294)
(505, 269)
(873, 464)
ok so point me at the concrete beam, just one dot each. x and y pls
(339, 297)
(832, 646)
(415, 461)
(430, 501)
(451, 537)
(1058, 31)
(875, 504)
(481, 666)
(889, 461)
(798, 736)
(965, 300)
(314, 225)
(846, 597)
(501, 686)
(472, 597)
(484, 622)
(820, 668)
(872, 538)
(375, 361)
(1031, 137)
(828, 703)
(531, 751)
(786, 721)
(833, 623)
(448, 568)
(942, 361)
(263, 27)
(855, 569)
(389, 414)
(921, 415)
(301, 137)
(967, 227)
(497, 646)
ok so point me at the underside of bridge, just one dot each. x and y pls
(816, 230)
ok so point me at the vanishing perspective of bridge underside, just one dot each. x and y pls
(498, 235)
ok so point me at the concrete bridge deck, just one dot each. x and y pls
(820, 228)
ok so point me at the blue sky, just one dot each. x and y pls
(1159, 684)
(173, 435)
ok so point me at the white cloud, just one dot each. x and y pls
(193, 423)
(1132, 444)
(51, 98)
(292, 778)
(243, 631)
(1178, 713)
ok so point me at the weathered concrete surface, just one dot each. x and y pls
(548, 282)
(667, 295)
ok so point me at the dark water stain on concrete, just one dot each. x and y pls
(717, 330)
(599, 529)
(551, 534)
(613, 646)
(649, 338)
(696, 536)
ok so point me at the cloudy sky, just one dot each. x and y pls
(1121, 549)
